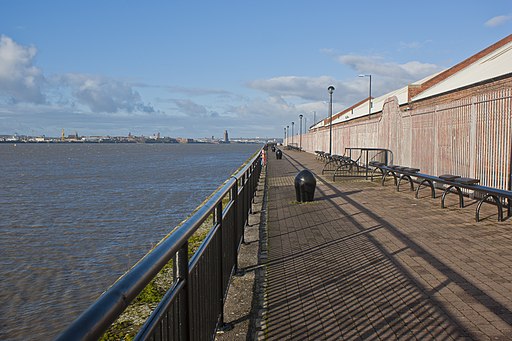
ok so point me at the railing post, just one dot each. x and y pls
(223, 326)
(184, 308)
(244, 205)
(234, 248)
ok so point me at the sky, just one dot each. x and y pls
(196, 68)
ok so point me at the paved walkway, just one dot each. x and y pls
(365, 262)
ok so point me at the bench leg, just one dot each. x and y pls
(461, 197)
(381, 172)
(433, 191)
(498, 203)
(386, 174)
(404, 176)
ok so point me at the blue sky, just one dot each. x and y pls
(196, 68)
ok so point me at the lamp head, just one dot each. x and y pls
(330, 89)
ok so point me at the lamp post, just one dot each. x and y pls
(284, 135)
(369, 96)
(300, 131)
(293, 123)
(330, 89)
(287, 134)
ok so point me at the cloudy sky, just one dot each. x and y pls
(195, 68)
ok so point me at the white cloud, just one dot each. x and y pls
(291, 95)
(20, 80)
(305, 88)
(498, 20)
(102, 94)
(407, 72)
(190, 108)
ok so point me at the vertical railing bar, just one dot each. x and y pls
(234, 247)
(244, 207)
(223, 326)
(184, 307)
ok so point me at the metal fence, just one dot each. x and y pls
(192, 309)
(470, 136)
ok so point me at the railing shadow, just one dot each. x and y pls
(359, 287)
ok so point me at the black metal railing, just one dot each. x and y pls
(355, 162)
(192, 309)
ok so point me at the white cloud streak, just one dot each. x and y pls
(407, 72)
(101, 94)
(498, 20)
(305, 88)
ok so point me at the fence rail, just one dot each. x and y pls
(192, 309)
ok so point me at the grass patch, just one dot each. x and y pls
(135, 315)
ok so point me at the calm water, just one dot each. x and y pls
(74, 217)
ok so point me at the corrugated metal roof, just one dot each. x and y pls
(492, 65)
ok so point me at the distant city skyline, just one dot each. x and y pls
(192, 68)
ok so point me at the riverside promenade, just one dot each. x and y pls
(365, 262)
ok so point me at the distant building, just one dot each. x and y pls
(184, 140)
(226, 138)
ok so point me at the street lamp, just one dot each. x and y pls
(284, 135)
(293, 123)
(300, 131)
(330, 89)
(287, 134)
(369, 96)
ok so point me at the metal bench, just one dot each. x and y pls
(451, 181)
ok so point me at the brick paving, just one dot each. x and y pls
(363, 261)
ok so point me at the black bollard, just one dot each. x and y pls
(305, 184)
(279, 154)
(273, 149)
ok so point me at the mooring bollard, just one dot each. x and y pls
(279, 154)
(305, 184)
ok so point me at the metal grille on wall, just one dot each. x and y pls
(469, 137)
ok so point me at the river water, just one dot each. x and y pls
(74, 217)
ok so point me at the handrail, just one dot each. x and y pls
(93, 323)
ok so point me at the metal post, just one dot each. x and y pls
(369, 95)
(223, 326)
(370, 99)
(184, 314)
(300, 131)
(293, 123)
(330, 89)
(287, 134)
(234, 198)
(284, 135)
